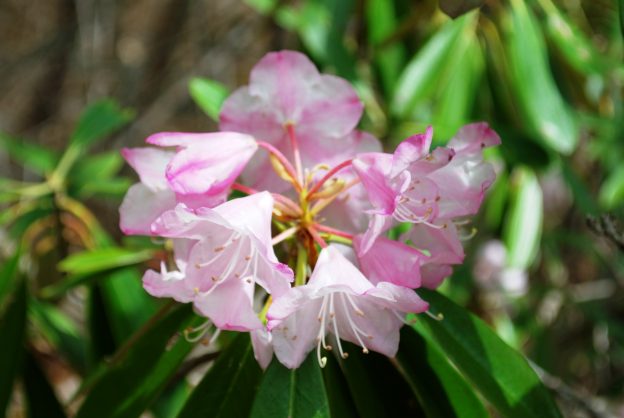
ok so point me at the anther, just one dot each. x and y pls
(345, 355)
(215, 278)
(217, 249)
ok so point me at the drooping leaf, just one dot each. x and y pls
(441, 390)
(546, 114)
(285, 393)
(523, 228)
(12, 332)
(501, 374)
(139, 370)
(238, 375)
(41, 399)
(209, 95)
(99, 120)
(101, 259)
(35, 157)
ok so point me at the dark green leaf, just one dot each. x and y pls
(89, 262)
(42, 401)
(501, 374)
(441, 390)
(298, 393)
(35, 157)
(238, 376)
(99, 120)
(546, 113)
(8, 275)
(140, 370)
(455, 8)
(209, 95)
(340, 400)
(101, 340)
(12, 330)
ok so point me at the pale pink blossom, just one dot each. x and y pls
(338, 299)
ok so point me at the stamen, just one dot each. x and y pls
(356, 330)
(321, 335)
(438, 317)
(336, 333)
(201, 330)
(469, 236)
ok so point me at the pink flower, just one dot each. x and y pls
(198, 174)
(222, 253)
(338, 299)
(417, 186)
(288, 97)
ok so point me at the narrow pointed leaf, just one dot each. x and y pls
(501, 374)
(209, 95)
(89, 262)
(41, 399)
(99, 120)
(228, 389)
(298, 393)
(441, 390)
(35, 157)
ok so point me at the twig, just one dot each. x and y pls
(606, 225)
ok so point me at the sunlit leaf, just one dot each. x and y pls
(501, 374)
(99, 120)
(238, 374)
(209, 95)
(285, 393)
(523, 227)
(89, 262)
(35, 157)
(611, 193)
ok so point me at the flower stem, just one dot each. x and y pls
(301, 269)
(327, 176)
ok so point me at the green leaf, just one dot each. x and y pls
(209, 95)
(582, 196)
(501, 374)
(523, 228)
(545, 112)
(115, 187)
(89, 262)
(298, 393)
(8, 275)
(40, 396)
(441, 390)
(101, 166)
(238, 375)
(140, 370)
(12, 333)
(99, 120)
(611, 193)
(340, 401)
(419, 77)
(35, 157)
(60, 331)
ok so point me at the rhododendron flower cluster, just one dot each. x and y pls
(300, 258)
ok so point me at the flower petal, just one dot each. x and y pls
(141, 207)
(156, 285)
(410, 150)
(150, 165)
(261, 341)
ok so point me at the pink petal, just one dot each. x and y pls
(251, 213)
(157, 286)
(230, 306)
(334, 271)
(410, 150)
(399, 298)
(434, 274)
(442, 242)
(473, 138)
(150, 165)
(378, 225)
(141, 207)
(374, 169)
(262, 347)
(390, 261)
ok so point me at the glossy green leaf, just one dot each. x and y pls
(545, 112)
(60, 331)
(523, 227)
(209, 95)
(140, 369)
(12, 333)
(89, 262)
(99, 120)
(41, 399)
(340, 401)
(285, 393)
(35, 157)
(419, 77)
(238, 375)
(440, 389)
(501, 374)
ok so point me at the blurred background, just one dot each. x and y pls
(545, 260)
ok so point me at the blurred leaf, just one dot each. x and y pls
(60, 331)
(263, 6)
(12, 333)
(101, 340)
(99, 120)
(101, 166)
(139, 370)
(209, 95)
(501, 374)
(8, 275)
(285, 393)
(546, 113)
(382, 23)
(128, 306)
(577, 49)
(89, 262)
(340, 400)
(523, 227)
(35, 157)
(238, 375)
(171, 401)
(455, 8)
(441, 390)
(115, 187)
(582, 196)
(496, 200)
(419, 77)
(40, 396)
(611, 193)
